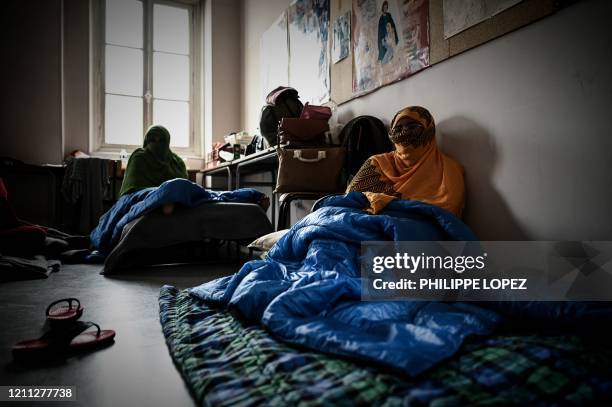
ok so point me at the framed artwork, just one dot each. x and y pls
(390, 41)
(341, 40)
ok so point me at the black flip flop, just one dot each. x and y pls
(62, 339)
(63, 313)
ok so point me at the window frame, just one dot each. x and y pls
(97, 78)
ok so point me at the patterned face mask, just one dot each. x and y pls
(413, 134)
(417, 131)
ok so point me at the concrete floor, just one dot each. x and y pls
(137, 369)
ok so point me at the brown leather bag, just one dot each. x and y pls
(296, 132)
(309, 169)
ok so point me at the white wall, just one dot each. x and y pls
(526, 114)
(257, 17)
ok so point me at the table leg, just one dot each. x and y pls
(273, 198)
(238, 176)
(229, 178)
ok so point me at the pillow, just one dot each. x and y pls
(266, 242)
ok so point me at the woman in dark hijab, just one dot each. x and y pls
(152, 164)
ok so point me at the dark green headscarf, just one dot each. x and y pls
(152, 164)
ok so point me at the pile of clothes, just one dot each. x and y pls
(30, 251)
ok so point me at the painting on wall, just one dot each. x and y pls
(459, 15)
(308, 22)
(390, 41)
(274, 57)
(341, 40)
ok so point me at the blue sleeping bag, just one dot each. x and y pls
(307, 292)
(133, 205)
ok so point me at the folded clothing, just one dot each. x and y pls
(28, 240)
(22, 239)
(18, 268)
(25, 248)
(15, 236)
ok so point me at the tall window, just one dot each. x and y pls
(149, 65)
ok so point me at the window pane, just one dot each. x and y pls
(175, 117)
(123, 120)
(170, 76)
(124, 22)
(124, 70)
(170, 29)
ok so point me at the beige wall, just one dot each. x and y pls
(33, 114)
(76, 75)
(31, 82)
(526, 114)
(222, 58)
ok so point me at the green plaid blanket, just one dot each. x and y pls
(227, 363)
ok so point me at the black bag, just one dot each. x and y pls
(281, 102)
(363, 137)
(257, 144)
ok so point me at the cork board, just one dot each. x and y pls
(509, 20)
(440, 49)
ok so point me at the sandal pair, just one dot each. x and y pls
(64, 313)
(66, 333)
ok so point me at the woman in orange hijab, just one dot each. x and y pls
(416, 170)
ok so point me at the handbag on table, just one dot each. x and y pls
(309, 169)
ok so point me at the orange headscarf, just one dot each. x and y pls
(421, 173)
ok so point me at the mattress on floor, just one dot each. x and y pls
(241, 222)
(226, 363)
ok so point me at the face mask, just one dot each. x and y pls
(411, 134)
(159, 150)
